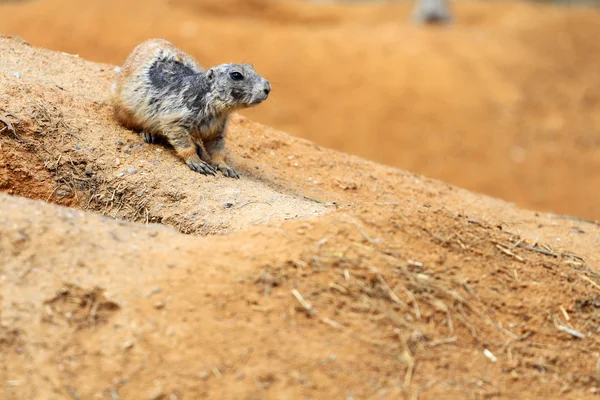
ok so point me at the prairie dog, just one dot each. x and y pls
(162, 92)
(432, 12)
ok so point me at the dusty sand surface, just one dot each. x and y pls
(505, 102)
(317, 275)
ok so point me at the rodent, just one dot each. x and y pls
(432, 12)
(162, 92)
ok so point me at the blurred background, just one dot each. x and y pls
(503, 100)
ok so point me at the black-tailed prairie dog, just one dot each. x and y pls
(160, 91)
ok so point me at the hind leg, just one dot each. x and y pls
(128, 121)
(147, 136)
(126, 118)
(151, 137)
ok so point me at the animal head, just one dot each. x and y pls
(238, 85)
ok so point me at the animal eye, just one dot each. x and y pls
(236, 76)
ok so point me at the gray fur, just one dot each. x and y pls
(203, 98)
(432, 12)
(163, 92)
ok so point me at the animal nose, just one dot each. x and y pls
(267, 88)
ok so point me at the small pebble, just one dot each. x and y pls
(490, 355)
(63, 193)
(129, 344)
(203, 375)
(15, 74)
(156, 394)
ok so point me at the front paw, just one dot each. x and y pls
(226, 170)
(202, 167)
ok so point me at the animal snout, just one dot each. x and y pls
(267, 88)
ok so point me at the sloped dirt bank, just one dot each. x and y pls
(62, 145)
(504, 102)
(393, 285)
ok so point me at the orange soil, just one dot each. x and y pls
(505, 102)
(329, 276)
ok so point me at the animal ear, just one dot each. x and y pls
(210, 74)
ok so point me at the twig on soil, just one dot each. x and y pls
(339, 288)
(434, 343)
(465, 321)
(590, 281)
(315, 200)
(490, 355)
(303, 302)
(408, 357)
(254, 202)
(537, 249)
(332, 323)
(570, 331)
(390, 292)
(52, 194)
(396, 319)
(507, 332)
(566, 329)
(450, 323)
(365, 235)
(564, 312)
(311, 311)
(509, 253)
(413, 300)
(93, 312)
(574, 218)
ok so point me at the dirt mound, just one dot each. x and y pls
(120, 175)
(504, 102)
(386, 284)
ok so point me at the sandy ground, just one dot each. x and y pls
(506, 102)
(317, 275)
